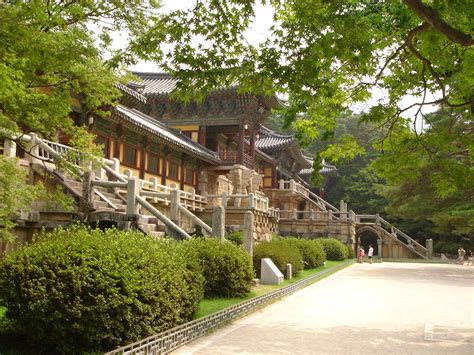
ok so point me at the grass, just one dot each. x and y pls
(212, 305)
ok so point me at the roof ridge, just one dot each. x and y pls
(273, 133)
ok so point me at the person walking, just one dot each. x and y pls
(469, 257)
(371, 253)
(361, 254)
(461, 253)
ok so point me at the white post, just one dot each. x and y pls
(133, 189)
(292, 185)
(224, 199)
(282, 184)
(249, 221)
(9, 148)
(311, 215)
(116, 166)
(251, 201)
(33, 149)
(174, 208)
(218, 222)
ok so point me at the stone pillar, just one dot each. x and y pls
(87, 191)
(174, 207)
(116, 166)
(218, 222)
(9, 148)
(133, 189)
(429, 248)
(32, 149)
(379, 245)
(249, 222)
(282, 184)
(289, 271)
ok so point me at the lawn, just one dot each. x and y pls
(209, 306)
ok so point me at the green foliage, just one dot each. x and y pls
(430, 176)
(314, 54)
(226, 267)
(334, 249)
(88, 290)
(312, 252)
(236, 237)
(281, 253)
(350, 252)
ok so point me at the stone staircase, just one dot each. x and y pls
(103, 200)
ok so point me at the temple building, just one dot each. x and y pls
(174, 168)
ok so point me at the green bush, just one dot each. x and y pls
(334, 249)
(225, 266)
(236, 237)
(281, 254)
(79, 289)
(312, 252)
(350, 253)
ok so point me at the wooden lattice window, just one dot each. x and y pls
(153, 164)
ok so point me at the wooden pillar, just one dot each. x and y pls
(252, 147)
(181, 175)
(241, 141)
(142, 157)
(166, 152)
(119, 133)
(202, 135)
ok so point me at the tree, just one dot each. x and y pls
(327, 55)
(431, 176)
(50, 61)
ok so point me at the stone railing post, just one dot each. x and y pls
(282, 184)
(133, 190)
(224, 199)
(116, 166)
(33, 149)
(175, 200)
(429, 248)
(251, 199)
(218, 222)
(154, 186)
(292, 185)
(87, 191)
(249, 221)
(311, 215)
(377, 219)
(9, 148)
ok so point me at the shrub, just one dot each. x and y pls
(236, 238)
(81, 290)
(312, 252)
(334, 249)
(281, 254)
(225, 266)
(350, 253)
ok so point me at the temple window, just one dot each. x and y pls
(153, 164)
(189, 176)
(129, 156)
(172, 172)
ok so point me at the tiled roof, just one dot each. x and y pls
(130, 92)
(166, 134)
(270, 141)
(325, 170)
(156, 83)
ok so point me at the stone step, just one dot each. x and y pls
(148, 219)
(116, 201)
(105, 209)
(74, 183)
(147, 228)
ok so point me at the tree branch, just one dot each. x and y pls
(432, 17)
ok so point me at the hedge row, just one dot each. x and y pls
(82, 289)
(301, 253)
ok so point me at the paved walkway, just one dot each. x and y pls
(380, 308)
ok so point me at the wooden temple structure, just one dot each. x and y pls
(167, 166)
